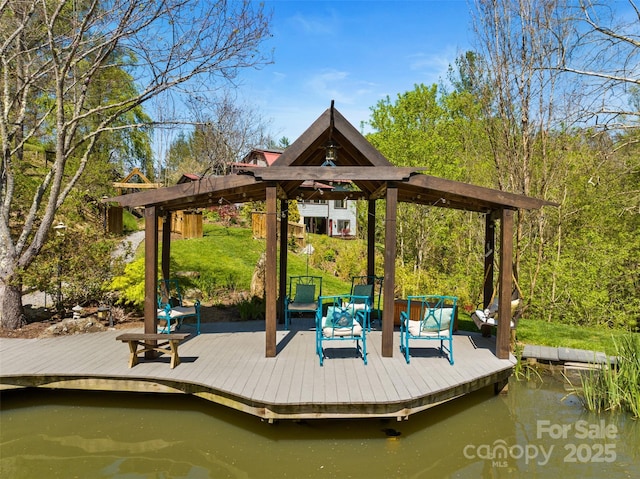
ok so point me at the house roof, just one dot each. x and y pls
(269, 156)
(300, 166)
(188, 177)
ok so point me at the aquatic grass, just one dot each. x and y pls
(615, 387)
(523, 370)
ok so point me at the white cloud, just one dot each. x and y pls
(312, 25)
(340, 86)
(433, 66)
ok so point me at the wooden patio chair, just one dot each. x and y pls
(171, 308)
(431, 320)
(343, 321)
(304, 292)
(370, 286)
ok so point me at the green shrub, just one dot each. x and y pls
(253, 309)
(130, 285)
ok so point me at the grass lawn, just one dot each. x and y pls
(227, 256)
(543, 333)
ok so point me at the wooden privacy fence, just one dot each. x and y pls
(187, 223)
(259, 227)
(114, 219)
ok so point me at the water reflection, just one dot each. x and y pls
(63, 434)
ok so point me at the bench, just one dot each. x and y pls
(140, 339)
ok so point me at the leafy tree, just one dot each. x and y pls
(427, 127)
(59, 62)
(571, 259)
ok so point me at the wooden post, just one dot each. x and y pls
(150, 272)
(489, 257)
(389, 271)
(371, 238)
(270, 273)
(284, 251)
(166, 245)
(505, 286)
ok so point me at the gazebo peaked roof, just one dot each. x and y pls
(309, 148)
(294, 175)
(357, 162)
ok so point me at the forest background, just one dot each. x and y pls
(547, 105)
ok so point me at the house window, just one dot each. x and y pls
(340, 204)
(344, 227)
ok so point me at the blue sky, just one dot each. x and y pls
(353, 52)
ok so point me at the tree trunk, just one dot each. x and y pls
(11, 310)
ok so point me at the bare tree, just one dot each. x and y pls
(603, 54)
(58, 88)
(227, 131)
(517, 78)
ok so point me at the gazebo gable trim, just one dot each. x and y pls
(331, 125)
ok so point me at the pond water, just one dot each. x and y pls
(529, 432)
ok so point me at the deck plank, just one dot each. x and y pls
(227, 360)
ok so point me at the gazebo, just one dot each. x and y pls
(332, 150)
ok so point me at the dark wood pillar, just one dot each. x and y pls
(284, 251)
(166, 245)
(270, 272)
(150, 271)
(489, 257)
(389, 271)
(371, 238)
(503, 334)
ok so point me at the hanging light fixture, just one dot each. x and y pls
(331, 153)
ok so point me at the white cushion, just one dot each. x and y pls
(178, 312)
(494, 322)
(415, 330)
(355, 306)
(490, 321)
(330, 332)
(302, 306)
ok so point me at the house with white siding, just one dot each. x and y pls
(320, 216)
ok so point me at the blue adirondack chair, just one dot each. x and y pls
(338, 318)
(171, 308)
(428, 317)
(304, 292)
(370, 286)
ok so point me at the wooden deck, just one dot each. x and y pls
(226, 364)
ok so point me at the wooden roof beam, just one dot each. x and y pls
(328, 173)
(467, 193)
(180, 193)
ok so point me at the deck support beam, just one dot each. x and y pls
(371, 238)
(270, 272)
(284, 253)
(389, 270)
(503, 335)
(489, 257)
(166, 245)
(150, 272)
